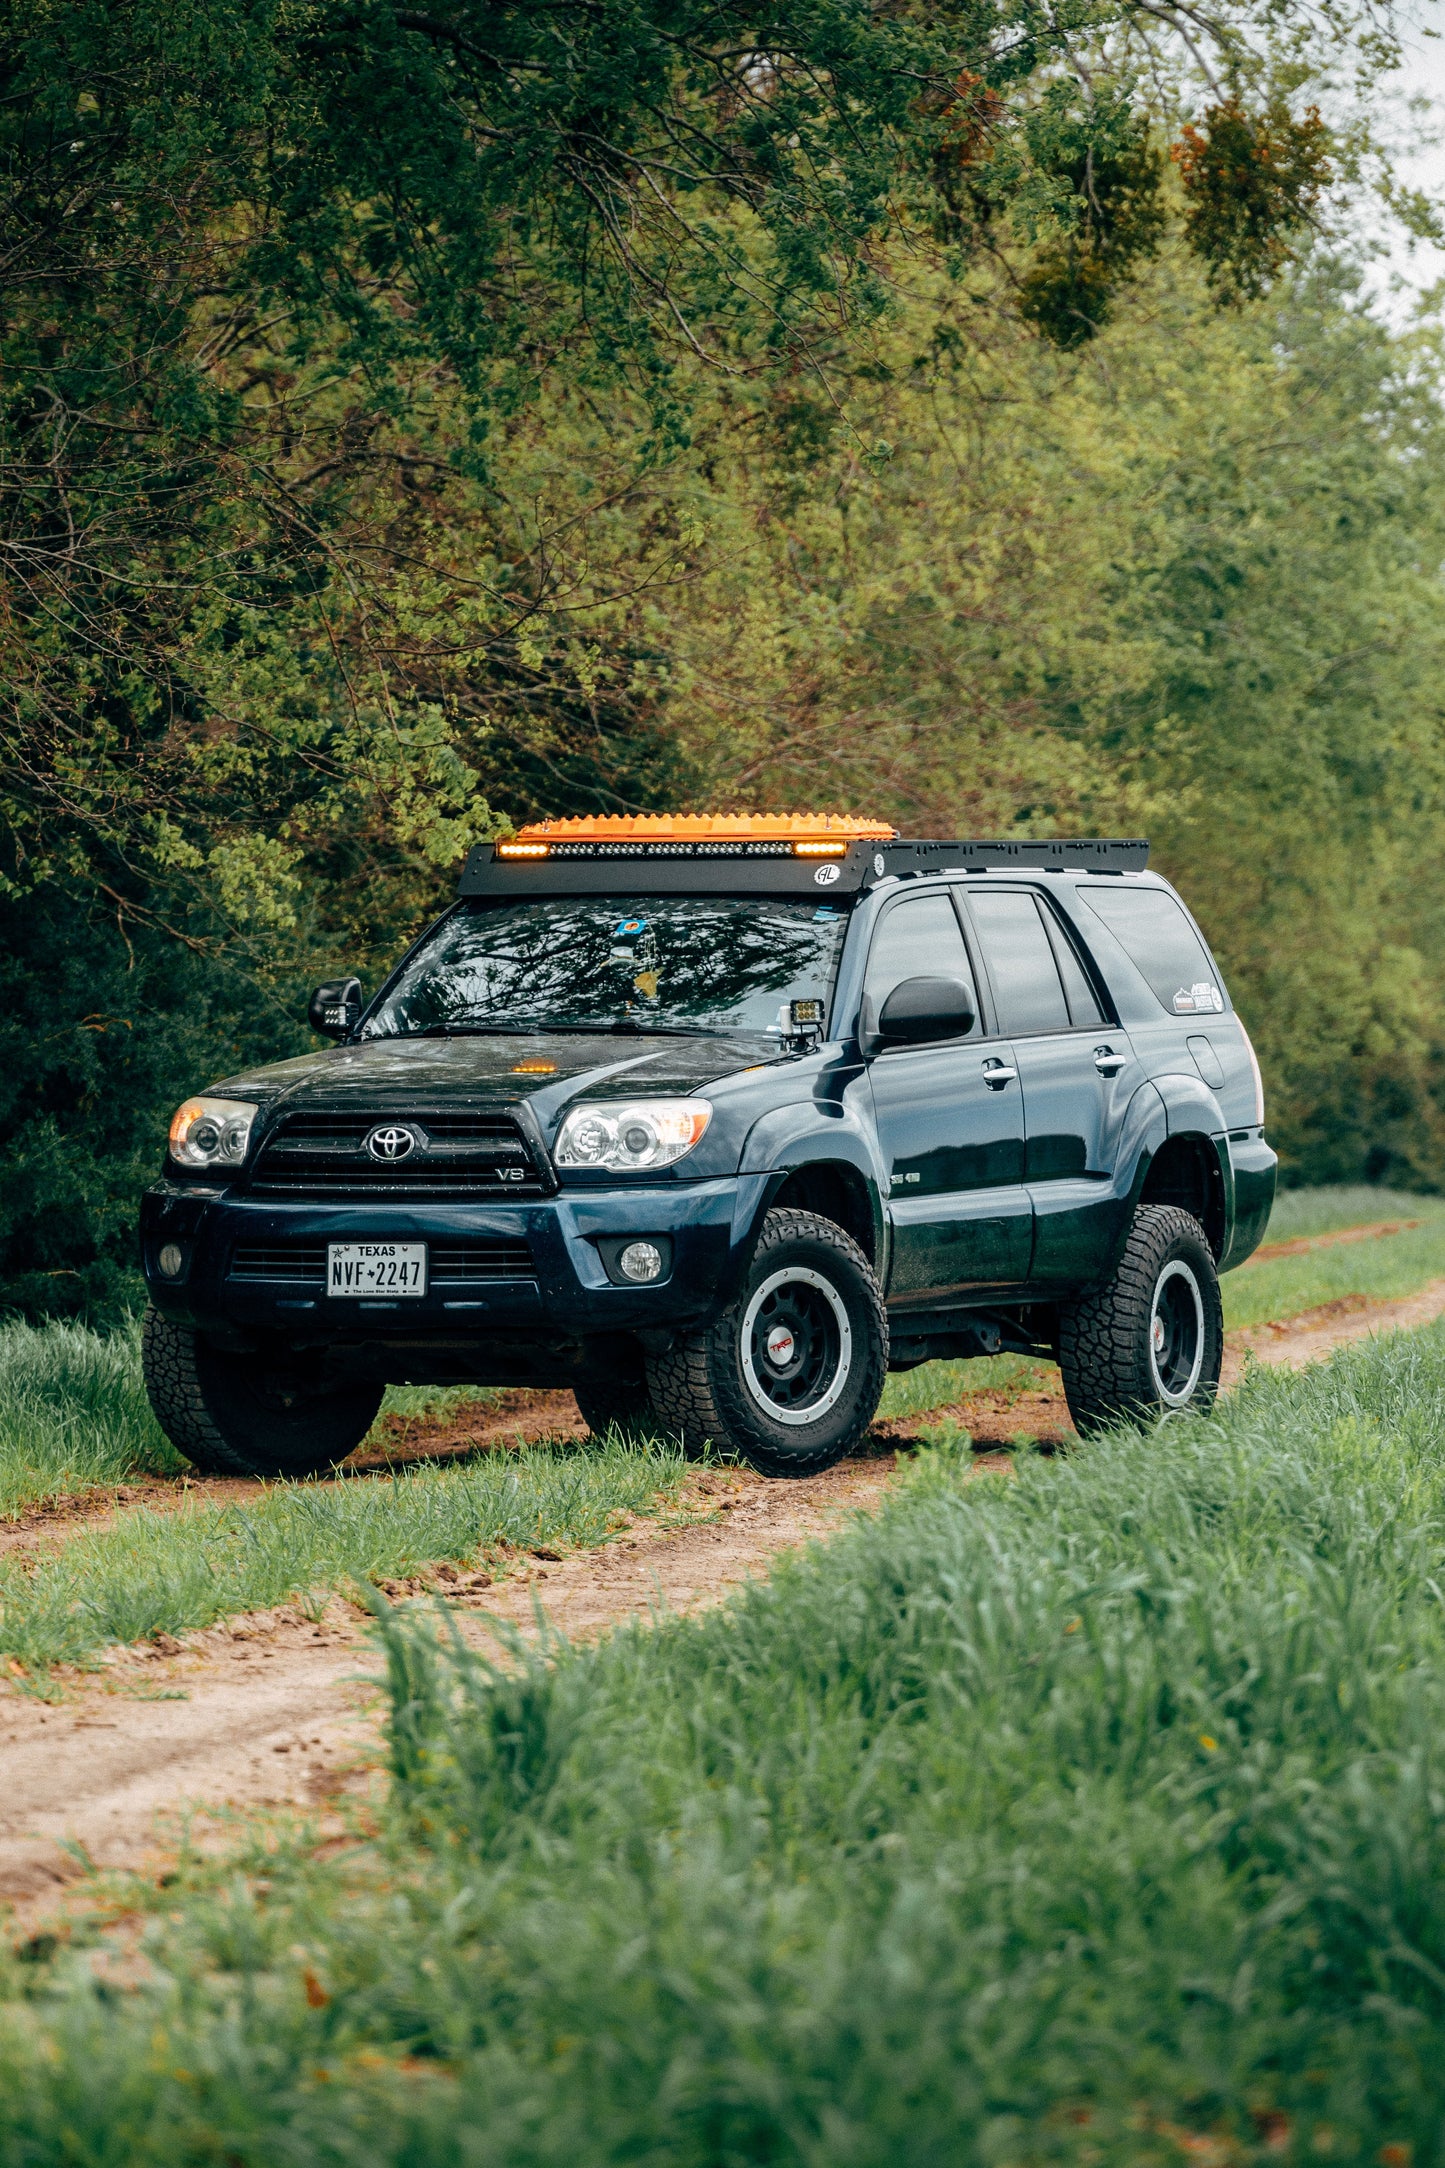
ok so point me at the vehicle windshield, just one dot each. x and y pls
(617, 963)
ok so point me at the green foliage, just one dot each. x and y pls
(101, 1033)
(1184, 585)
(1113, 172)
(1250, 181)
(1088, 1814)
(417, 420)
(277, 274)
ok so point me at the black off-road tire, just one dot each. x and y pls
(1151, 1339)
(230, 1416)
(701, 1389)
(620, 1404)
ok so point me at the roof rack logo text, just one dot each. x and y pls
(391, 1143)
(825, 874)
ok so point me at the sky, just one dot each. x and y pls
(1405, 271)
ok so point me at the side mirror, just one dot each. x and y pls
(919, 1010)
(335, 1008)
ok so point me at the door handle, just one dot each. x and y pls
(996, 1074)
(1107, 1062)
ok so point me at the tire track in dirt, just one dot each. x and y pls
(275, 1711)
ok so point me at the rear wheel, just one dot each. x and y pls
(1152, 1338)
(235, 1415)
(620, 1404)
(791, 1375)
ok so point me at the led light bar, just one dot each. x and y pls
(812, 835)
(784, 854)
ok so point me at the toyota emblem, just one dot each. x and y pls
(391, 1143)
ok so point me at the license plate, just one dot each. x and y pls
(376, 1268)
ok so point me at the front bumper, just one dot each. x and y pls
(566, 1297)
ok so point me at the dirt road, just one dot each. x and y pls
(275, 1709)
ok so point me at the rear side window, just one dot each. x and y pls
(1151, 928)
(1083, 1001)
(1021, 962)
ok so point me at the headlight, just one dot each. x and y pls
(212, 1132)
(635, 1133)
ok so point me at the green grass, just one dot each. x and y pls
(1321, 1211)
(437, 1402)
(167, 1572)
(935, 1385)
(1092, 1816)
(73, 1413)
(1378, 1269)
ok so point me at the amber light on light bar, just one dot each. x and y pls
(812, 835)
(524, 850)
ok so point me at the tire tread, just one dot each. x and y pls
(1102, 1336)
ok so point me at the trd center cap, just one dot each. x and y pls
(780, 1346)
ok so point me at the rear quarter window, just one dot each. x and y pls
(1153, 930)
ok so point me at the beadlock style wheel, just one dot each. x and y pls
(797, 1345)
(790, 1376)
(1176, 1334)
(1151, 1339)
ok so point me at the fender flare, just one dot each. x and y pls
(1190, 1109)
(787, 1140)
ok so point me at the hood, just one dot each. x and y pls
(548, 1069)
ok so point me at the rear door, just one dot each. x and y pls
(950, 1123)
(1078, 1073)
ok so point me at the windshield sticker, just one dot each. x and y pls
(627, 926)
(1203, 998)
(826, 913)
(646, 984)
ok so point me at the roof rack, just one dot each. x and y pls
(1049, 854)
(758, 853)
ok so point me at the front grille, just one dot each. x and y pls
(455, 1154)
(303, 1264)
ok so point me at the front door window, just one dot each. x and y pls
(950, 1122)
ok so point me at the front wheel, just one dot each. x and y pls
(791, 1375)
(235, 1415)
(1151, 1339)
(623, 1405)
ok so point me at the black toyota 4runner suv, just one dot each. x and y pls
(715, 1121)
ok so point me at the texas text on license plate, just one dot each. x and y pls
(376, 1268)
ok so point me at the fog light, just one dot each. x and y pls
(170, 1261)
(640, 1261)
